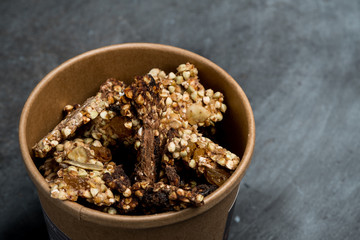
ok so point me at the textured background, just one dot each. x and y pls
(297, 61)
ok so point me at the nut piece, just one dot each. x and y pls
(78, 154)
(197, 114)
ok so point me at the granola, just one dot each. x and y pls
(156, 119)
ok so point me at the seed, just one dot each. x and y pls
(94, 191)
(96, 135)
(60, 147)
(223, 108)
(172, 75)
(172, 196)
(194, 96)
(221, 161)
(104, 115)
(66, 131)
(165, 158)
(186, 96)
(154, 72)
(126, 207)
(55, 193)
(72, 169)
(127, 192)
(111, 211)
(103, 188)
(171, 147)
(171, 89)
(199, 198)
(93, 114)
(128, 125)
(87, 194)
(211, 147)
(185, 200)
(97, 143)
(186, 75)
(194, 72)
(140, 100)
(86, 119)
(162, 75)
(183, 143)
(206, 100)
(69, 108)
(88, 140)
(230, 165)
(82, 173)
(180, 192)
(209, 92)
(181, 68)
(192, 163)
(164, 93)
(137, 145)
(217, 95)
(219, 116)
(183, 153)
(109, 193)
(179, 80)
(193, 138)
(191, 89)
(144, 185)
(140, 131)
(138, 193)
(168, 101)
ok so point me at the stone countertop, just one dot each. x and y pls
(297, 61)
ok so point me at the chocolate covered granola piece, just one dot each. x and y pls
(159, 197)
(118, 180)
(146, 101)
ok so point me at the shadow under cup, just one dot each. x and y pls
(79, 78)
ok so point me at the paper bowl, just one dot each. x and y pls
(79, 78)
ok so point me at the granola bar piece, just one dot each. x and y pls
(73, 182)
(120, 183)
(159, 114)
(157, 197)
(185, 96)
(184, 113)
(49, 168)
(110, 91)
(202, 154)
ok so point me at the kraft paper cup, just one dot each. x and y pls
(79, 78)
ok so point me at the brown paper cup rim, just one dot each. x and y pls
(143, 221)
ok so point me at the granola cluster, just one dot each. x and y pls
(139, 149)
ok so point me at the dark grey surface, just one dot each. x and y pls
(297, 61)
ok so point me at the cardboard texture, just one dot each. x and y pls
(80, 77)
